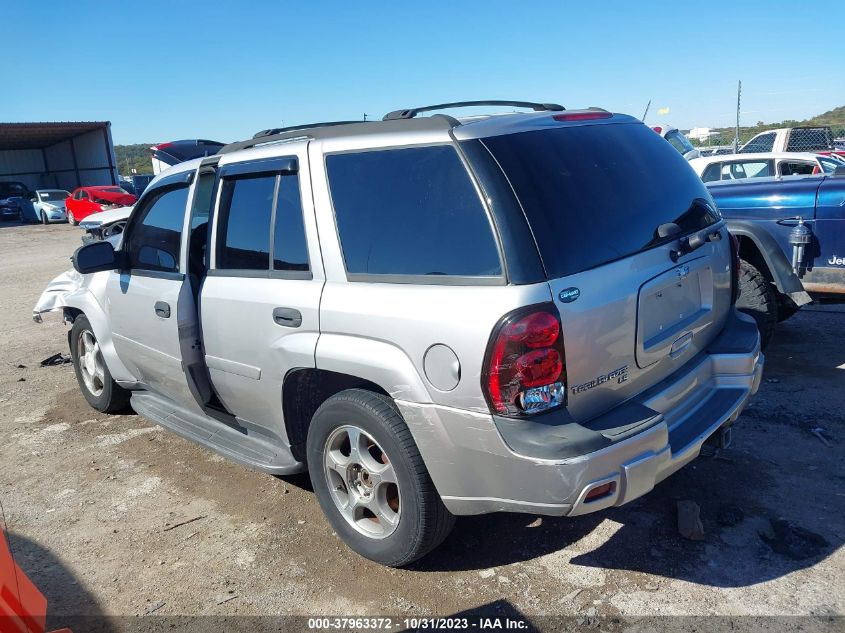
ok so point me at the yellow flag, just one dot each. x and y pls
(663, 111)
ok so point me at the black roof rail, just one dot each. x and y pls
(410, 113)
(306, 126)
(340, 128)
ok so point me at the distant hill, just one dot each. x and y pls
(834, 118)
(133, 156)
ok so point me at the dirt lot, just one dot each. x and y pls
(92, 504)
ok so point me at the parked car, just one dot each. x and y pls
(530, 312)
(87, 200)
(46, 206)
(791, 234)
(739, 166)
(101, 226)
(166, 155)
(793, 139)
(677, 140)
(11, 194)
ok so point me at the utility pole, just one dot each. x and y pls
(738, 96)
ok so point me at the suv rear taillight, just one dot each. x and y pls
(525, 365)
(735, 268)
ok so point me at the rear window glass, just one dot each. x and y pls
(679, 142)
(596, 193)
(410, 212)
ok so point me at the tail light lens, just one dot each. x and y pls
(525, 365)
(735, 268)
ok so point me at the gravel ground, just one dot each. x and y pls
(110, 515)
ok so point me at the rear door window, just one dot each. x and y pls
(796, 168)
(597, 193)
(411, 212)
(243, 238)
(762, 143)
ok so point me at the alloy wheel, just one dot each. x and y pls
(91, 364)
(362, 482)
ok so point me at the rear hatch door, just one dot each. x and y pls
(634, 305)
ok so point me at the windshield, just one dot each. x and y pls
(114, 190)
(596, 193)
(53, 195)
(829, 164)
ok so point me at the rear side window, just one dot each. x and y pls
(154, 242)
(713, 172)
(411, 212)
(246, 204)
(597, 193)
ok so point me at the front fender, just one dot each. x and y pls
(85, 293)
(381, 363)
(786, 281)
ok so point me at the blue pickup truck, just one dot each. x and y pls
(791, 233)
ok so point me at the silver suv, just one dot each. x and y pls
(528, 312)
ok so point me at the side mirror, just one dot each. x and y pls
(94, 257)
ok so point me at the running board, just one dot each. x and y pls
(238, 444)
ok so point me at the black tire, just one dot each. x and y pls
(758, 299)
(71, 220)
(112, 397)
(424, 522)
(786, 307)
(44, 218)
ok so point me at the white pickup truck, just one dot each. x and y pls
(792, 139)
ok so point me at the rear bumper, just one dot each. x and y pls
(476, 470)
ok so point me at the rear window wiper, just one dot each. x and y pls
(687, 244)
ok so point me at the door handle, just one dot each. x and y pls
(288, 317)
(162, 309)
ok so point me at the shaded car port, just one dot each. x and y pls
(63, 155)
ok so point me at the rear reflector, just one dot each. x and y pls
(600, 491)
(582, 116)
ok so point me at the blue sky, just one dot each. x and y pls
(183, 69)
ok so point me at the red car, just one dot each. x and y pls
(87, 200)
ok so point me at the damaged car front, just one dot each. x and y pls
(58, 293)
(101, 226)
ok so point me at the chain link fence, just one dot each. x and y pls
(801, 138)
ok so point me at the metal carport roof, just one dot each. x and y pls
(40, 135)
